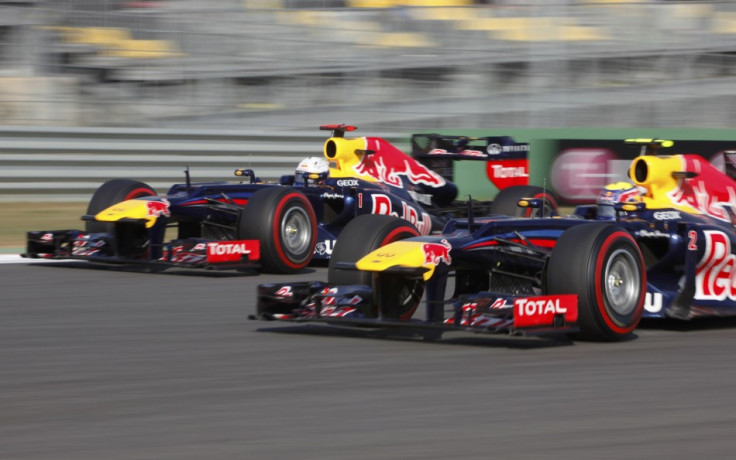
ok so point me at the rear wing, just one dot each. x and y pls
(729, 158)
(649, 146)
(506, 161)
(467, 148)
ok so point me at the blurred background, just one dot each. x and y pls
(382, 65)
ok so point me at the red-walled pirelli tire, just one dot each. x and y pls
(603, 265)
(283, 220)
(506, 201)
(363, 235)
(111, 192)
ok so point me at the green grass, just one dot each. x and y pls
(18, 218)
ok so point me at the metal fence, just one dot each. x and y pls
(68, 164)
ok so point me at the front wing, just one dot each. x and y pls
(484, 312)
(183, 253)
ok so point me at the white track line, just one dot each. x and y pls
(17, 259)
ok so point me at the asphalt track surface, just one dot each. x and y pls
(123, 364)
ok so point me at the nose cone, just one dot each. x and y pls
(147, 210)
(407, 254)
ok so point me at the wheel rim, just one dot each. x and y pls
(622, 280)
(398, 295)
(296, 232)
(410, 296)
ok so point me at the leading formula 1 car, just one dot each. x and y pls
(660, 247)
(278, 227)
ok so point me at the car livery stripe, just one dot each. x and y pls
(238, 201)
(541, 242)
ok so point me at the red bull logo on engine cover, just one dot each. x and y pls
(387, 164)
(436, 253)
(158, 208)
(707, 192)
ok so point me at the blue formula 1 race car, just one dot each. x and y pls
(660, 246)
(277, 227)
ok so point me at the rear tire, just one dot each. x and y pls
(363, 235)
(506, 202)
(603, 265)
(284, 222)
(111, 192)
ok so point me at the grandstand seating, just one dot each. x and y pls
(365, 32)
(725, 23)
(116, 42)
(258, 55)
(406, 3)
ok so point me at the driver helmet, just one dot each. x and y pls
(311, 170)
(617, 192)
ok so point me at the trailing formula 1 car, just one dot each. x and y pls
(274, 227)
(660, 246)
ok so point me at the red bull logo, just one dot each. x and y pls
(436, 253)
(388, 164)
(697, 196)
(158, 208)
(381, 204)
(715, 274)
(710, 192)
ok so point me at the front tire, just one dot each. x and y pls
(361, 236)
(603, 265)
(112, 192)
(283, 220)
(506, 202)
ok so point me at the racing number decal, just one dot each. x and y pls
(692, 245)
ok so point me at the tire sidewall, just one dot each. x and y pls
(506, 200)
(577, 267)
(290, 202)
(620, 325)
(546, 197)
(362, 235)
(262, 219)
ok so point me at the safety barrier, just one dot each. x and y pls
(68, 164)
